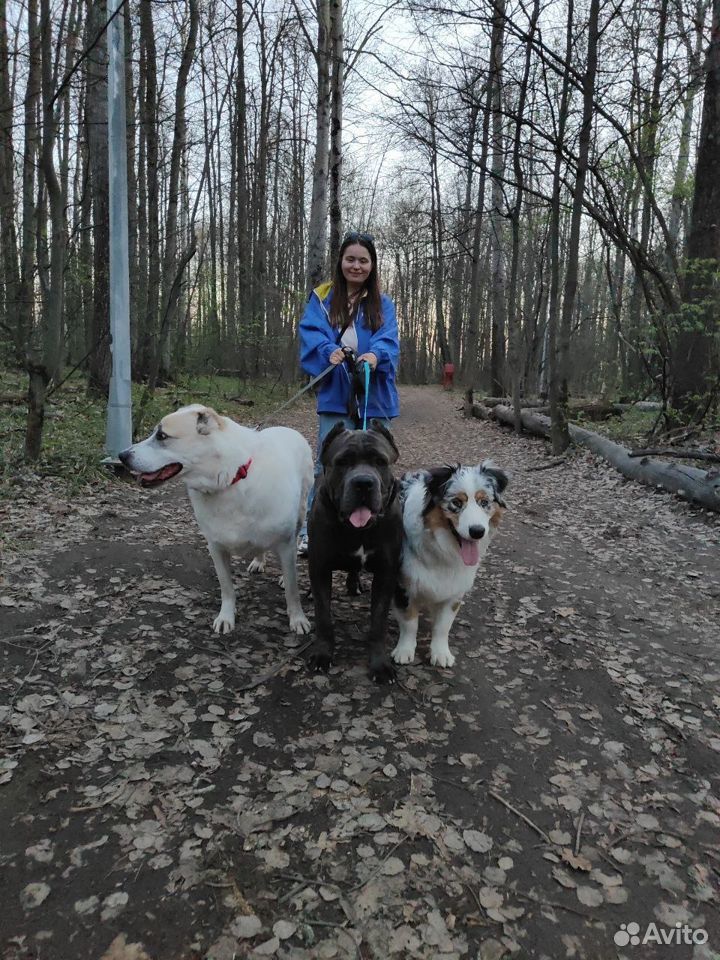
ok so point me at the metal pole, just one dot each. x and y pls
(119, 411)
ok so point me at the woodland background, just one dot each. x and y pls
(541, 179)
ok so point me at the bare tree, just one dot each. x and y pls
(696, 367)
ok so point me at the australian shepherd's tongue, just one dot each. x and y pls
(360, 517)
(470, 552)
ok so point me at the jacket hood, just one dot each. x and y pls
(323, 290)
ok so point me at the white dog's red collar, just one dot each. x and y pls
(242, 472)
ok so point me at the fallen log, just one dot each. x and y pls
(644, 405)
(686, 454)
(689, 483)
(592, 409)
(496, 401)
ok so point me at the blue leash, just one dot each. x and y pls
(367, 392)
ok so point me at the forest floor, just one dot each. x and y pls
(168, 794)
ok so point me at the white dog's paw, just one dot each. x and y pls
(404, 653)
(299, 623)
(257, 565)
(441, 656)
(224, 622)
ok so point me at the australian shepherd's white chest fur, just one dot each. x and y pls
(449, 517)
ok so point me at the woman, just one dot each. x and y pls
(350, 312)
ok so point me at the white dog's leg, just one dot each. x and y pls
(225, 621)
(444, 614)
(257, 564)
(287, 552)
(407, 619)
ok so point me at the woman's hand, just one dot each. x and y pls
(336, 357)
(369, 358)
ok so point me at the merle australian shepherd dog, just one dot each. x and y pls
(449, 517)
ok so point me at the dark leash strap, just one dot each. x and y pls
(296, 396)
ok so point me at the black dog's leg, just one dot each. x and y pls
(321, 654)
(353, 585)
(381, 667)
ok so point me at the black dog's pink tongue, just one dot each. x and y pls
(470, 552)
(360, 517)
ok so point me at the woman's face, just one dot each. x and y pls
(356, 265)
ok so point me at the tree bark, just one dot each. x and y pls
(561, 435)
(695, 362)
(10, 281)
(499, 307)
(337, 80)
(96, 132)
(170, 290)
(26, 300)
(317, 229)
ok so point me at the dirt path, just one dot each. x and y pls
(560, 782)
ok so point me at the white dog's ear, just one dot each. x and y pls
(207, 421)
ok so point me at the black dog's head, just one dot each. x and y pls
(358, 479)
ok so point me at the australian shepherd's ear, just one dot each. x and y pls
(436, 479)
(498, 478)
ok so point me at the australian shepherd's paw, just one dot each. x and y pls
(403, 652)
(299, 623)
(440, 656)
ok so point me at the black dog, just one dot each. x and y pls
(355, 523)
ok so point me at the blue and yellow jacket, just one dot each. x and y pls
(318, 339)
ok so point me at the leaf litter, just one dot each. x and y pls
(159, 804)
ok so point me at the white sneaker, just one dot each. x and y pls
(302, 545)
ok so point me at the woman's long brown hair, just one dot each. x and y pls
(339, 315)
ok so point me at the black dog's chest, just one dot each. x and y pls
(362, 558)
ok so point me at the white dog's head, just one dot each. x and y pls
(193, 441)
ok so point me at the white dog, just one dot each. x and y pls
(449, 516)
(248, 489)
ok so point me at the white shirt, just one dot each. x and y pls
(350, 337)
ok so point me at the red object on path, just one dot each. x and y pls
(448, 375)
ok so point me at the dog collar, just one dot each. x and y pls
(242, 472)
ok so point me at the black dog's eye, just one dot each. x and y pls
(381, 462)
(342, 462)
